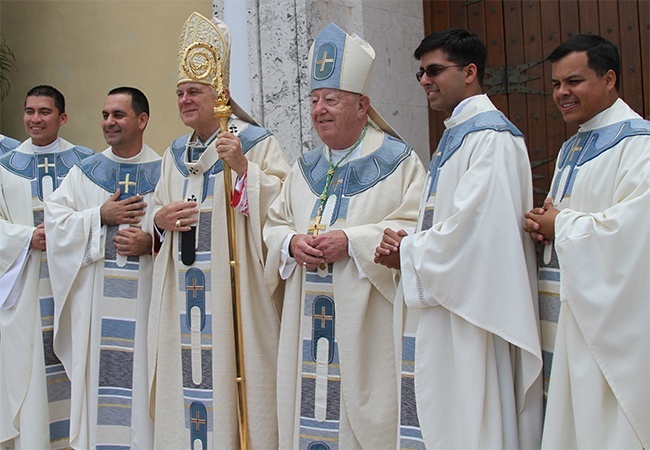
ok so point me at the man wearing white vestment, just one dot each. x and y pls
(192, 370)
(594, 253)
(96, 223)
(336, 371)
(468, 268)
(7, 143)
(34, 388)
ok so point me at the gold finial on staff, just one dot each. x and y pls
(223, 110)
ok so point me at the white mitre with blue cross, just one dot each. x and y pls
(340, 61)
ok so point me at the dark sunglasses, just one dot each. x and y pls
(434, 70)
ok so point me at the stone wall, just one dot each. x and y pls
(280, 33)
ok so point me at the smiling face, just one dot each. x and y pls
(578, 91)
(450, 86)
(42, 119)
(121, 126)
(338, 116)
(196, 104)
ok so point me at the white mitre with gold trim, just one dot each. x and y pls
(343, 62)
(204, 56)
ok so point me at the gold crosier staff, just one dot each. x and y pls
(223, 111)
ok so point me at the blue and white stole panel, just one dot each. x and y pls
(119, 303)
(117, 346)
(45, 172)
(195, 306)
(577, 151)
(194, 298)
(320, 383)
(410, 432)
(320, 377)
(58, 383)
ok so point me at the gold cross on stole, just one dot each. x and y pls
(322, 317)
(194, 288)
(46, 165)
(197, 421)
(126, 183)
(575, 148)
(338, 181)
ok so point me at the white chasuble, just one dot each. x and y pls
(34, 388)
(193, 387)
(101, 301)
(336, 369)
(470, 272)
(594, 287)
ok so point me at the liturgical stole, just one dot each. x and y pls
(194, 297)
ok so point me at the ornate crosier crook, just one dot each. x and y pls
(200, 61)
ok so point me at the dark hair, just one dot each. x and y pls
(48, 91)
(461, 47)
(139, 101)
(602, 55)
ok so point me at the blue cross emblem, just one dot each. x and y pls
(324, 61)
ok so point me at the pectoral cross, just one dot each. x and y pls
(324, 61)
(126, 183)
(317, 226)
(46, 165)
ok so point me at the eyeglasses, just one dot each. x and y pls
(434, 70)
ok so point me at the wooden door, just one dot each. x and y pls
(519, 34)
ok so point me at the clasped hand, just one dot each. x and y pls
(387, 252)
(38, 237)
(539, 223)
(311, 251)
